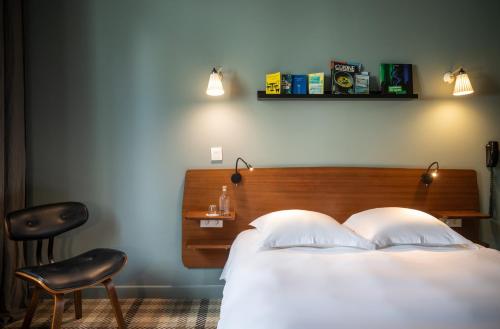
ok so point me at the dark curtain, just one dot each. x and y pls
(12, 153)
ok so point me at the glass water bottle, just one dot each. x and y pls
(224, 202)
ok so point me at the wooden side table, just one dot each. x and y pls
(465, 222)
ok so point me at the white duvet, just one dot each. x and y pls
(347, 288)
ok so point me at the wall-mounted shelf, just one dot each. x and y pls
(459, 214)
(202, 215)
(262, 96)
(468, 222)
(209, 245)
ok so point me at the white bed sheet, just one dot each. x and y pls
(398, 287)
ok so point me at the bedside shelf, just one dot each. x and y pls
(459, 214)
(209, 245)
(465, 222)
(202, 215)
(262, 96)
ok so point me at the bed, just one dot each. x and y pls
(396, 287)
(400, 286)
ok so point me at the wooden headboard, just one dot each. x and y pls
(338, 192)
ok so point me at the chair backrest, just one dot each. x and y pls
(44, 222)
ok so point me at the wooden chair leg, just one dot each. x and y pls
(58, 311)
(78, 304)
(30, 312)
(110, 287)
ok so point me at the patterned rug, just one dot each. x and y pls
(138, 313)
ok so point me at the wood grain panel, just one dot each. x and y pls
(338, 192)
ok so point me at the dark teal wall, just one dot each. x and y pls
(117, 110)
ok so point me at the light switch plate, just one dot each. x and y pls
(216, 153)
(204, 223)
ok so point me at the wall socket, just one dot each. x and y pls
(453, 222)
(217, 223)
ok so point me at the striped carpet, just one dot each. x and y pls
(138, 313)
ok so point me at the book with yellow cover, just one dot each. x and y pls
(273, 83)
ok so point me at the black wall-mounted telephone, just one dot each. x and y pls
(491, 162)
(491, 154)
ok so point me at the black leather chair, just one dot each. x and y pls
(68, 276)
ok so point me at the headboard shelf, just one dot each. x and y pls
(335, 191)
(209, 245)
(459, 214)
(202, 215)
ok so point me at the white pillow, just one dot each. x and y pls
(398, 226)
(303, 228)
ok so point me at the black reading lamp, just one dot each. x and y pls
(428, 176)
(236, 177)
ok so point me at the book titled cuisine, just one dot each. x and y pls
(343, 76)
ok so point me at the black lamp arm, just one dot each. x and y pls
(430, 166)
(238, 160)
(236, 176)
(426, 177)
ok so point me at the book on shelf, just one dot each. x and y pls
(286, 84)
(299, 84)
(316, 83)
(396, 79)
(273, 83)
(343, 76)
(362, 83)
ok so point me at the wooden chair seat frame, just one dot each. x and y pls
(59, 301)
(46, 222)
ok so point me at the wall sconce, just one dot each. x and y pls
(236, 177)
(215, 87)
(462, 82)
(427, 177)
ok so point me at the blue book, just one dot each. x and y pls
(299, 84)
